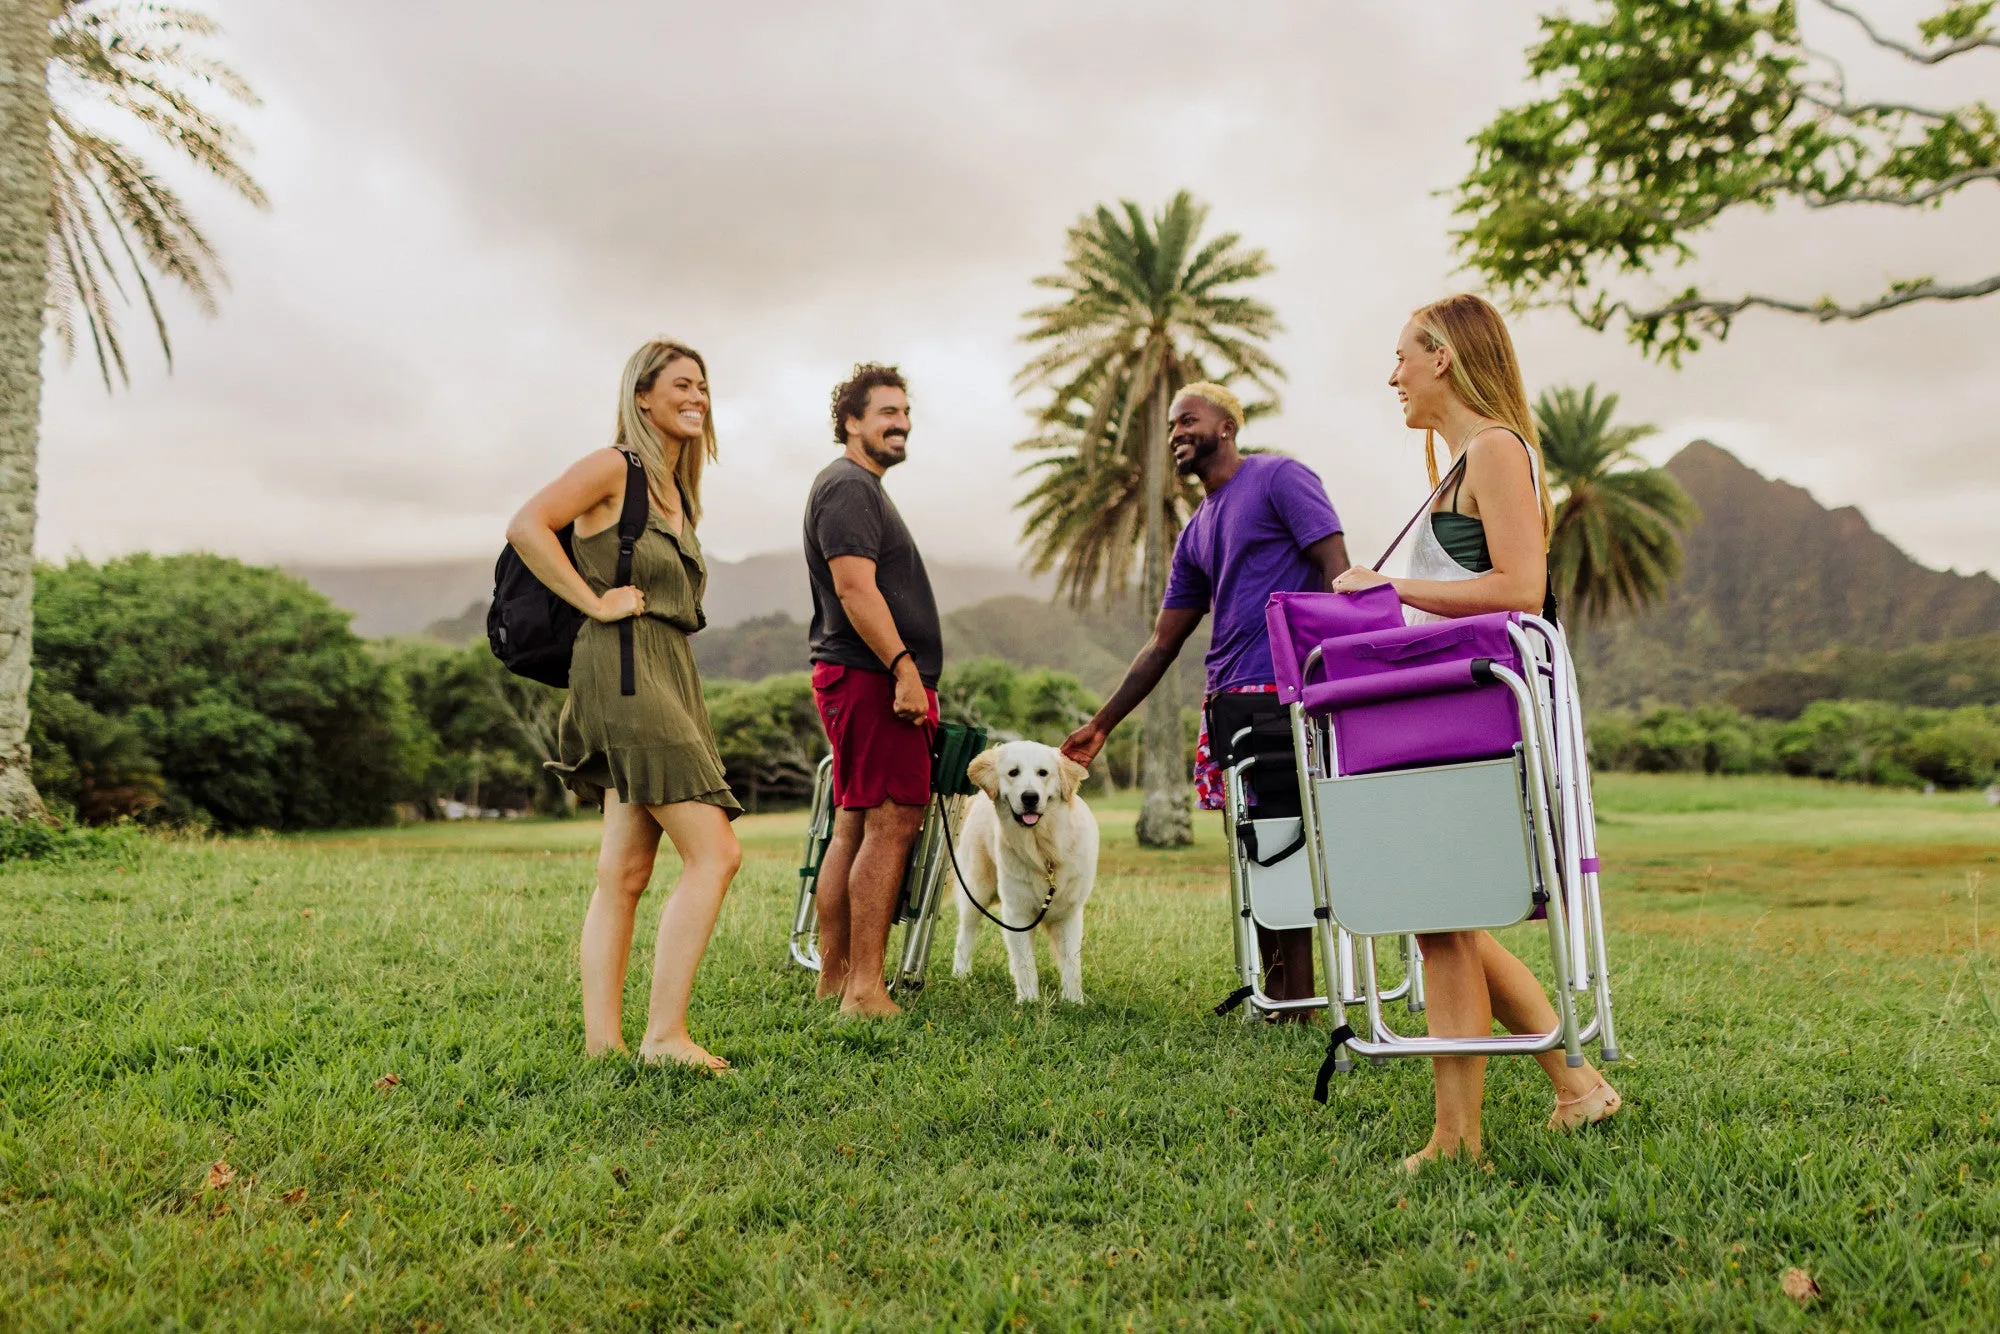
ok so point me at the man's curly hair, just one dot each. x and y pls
(850, 398)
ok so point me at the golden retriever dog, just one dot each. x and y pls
(1028, 842)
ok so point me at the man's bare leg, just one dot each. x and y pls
(830, 901)
(887, 832)
(1290, 977)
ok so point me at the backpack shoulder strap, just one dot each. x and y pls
(631, 526)
(632, 518)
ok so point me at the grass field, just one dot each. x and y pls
(1811, 1018)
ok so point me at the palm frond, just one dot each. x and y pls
(140, 60)
(1616, 541)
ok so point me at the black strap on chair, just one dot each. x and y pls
(1232, 1000)
(1340, 1036)
(631, 525)
(1246, 838)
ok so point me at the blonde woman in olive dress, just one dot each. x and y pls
(650, 756)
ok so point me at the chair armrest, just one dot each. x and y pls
(1432, 679)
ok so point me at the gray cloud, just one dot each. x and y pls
(479, 209)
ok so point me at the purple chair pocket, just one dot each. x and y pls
(1405, 697)
(1300, 622)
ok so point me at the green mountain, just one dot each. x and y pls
(1773, 577)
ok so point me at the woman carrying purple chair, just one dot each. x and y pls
(1485, 549)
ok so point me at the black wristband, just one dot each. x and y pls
(898, 658)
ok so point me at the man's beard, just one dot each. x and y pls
(889, 453)
(1204, 450)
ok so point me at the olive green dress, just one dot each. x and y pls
(654, 747)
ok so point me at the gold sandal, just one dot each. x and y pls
(1596, 1104)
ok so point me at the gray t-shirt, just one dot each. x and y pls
(849, 514)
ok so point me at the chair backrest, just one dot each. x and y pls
(1298, 623)
(1406, 697)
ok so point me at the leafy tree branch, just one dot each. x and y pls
(1660, 117)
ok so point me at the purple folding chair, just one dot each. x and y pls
(1444, 788)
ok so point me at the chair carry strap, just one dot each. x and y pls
(631, 525)
(1429, 501)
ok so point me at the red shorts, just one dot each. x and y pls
(877, 757)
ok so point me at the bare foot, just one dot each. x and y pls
(1431, 1153)
(683, 1051)
(876, 1006)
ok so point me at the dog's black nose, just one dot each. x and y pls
(1030, 800)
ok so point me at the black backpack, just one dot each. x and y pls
(531, 630)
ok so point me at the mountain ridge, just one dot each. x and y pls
(1771, 576)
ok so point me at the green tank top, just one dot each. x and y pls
(1463, 539)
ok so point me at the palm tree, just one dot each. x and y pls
(1086, 510)
(73, 202)
(111, 219)
(1144, 308)
(1616, 543)
(24, 251)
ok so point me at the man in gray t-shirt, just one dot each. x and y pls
(876, 654)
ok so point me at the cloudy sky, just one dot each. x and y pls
(480, 209)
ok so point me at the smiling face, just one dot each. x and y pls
(1196, 429)
(1422, 379)
(883, 428)
(1026, 779)
(677, 402)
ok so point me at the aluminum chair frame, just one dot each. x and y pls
(1249, 958)
(1555, 782)
(918, 901)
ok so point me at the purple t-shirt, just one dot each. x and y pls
(1246, 542)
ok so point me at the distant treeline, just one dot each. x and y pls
(1853, 740)
(196, 690)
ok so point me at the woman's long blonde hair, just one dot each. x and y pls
(1486, 376)
(638, 434)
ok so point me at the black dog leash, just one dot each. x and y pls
(951, 847)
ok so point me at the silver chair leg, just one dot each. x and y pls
(926, 881)
(802, 946)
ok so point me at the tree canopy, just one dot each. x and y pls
(1662, 116)
(202, 689)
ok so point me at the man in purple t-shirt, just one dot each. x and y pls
(1264, 526)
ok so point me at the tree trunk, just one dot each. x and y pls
(24, 259)
(1166, 817)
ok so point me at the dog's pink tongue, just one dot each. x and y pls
(1029, 817)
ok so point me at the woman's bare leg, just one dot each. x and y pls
(1522, 1006)
(624, 866)
(710, 857)
(1458, 1005)
(1471, 980)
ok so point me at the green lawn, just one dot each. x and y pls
(1811, 1020)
